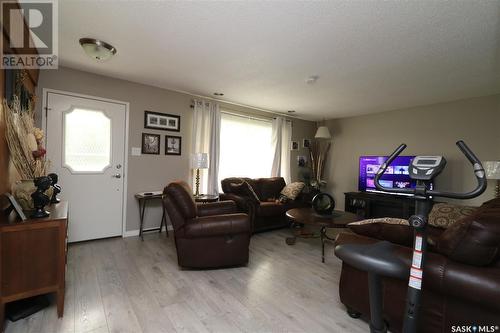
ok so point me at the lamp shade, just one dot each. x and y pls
(199, 161)
(492, 169)
(323, 133)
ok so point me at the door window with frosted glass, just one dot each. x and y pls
(87, 141)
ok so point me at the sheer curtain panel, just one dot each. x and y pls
(206, 139)
(281, 138)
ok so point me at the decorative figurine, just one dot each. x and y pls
(57, 188)
(40, 199)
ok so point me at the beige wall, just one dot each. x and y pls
(146, 172)
(432, 129)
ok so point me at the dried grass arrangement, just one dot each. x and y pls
(24, 140)
(318, 152)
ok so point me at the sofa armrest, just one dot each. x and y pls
(219, 225)
(478, 285)
(217, 208)
(244, 203)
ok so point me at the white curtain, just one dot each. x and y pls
(281, 139)
(206, 139)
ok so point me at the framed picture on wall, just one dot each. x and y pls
(162, 121)
(306, 143)
(295, 145)
(150, 144)
(173, 145)
(301, 161)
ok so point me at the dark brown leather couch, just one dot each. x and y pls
(265, 211)
(461, 281)
(206, 235)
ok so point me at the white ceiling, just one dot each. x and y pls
(370, 55)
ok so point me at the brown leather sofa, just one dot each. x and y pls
(206, 235)
(461, 281)
(265, 211)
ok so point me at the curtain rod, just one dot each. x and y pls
(267, 120)
(240, 114)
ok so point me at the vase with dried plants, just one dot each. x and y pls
(318, 151)
(27, 153)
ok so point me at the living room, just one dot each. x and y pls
(224, 173)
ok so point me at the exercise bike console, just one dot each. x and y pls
(426, 167)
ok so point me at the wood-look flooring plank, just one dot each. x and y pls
(89, 308)
(127, 285)
(119, 311)
(128, 257)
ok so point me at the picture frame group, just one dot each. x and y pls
(151, 144)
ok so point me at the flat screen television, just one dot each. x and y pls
(396, 175)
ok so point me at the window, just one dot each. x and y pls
(87, 140)
(245, 147)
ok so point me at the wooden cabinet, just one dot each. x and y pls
(33, 257)
(372, 205)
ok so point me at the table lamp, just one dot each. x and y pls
(198, 161)
(492, 169)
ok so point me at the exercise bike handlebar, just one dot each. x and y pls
(476, 164)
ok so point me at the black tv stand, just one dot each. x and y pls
(372, 205)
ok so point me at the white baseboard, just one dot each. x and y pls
(133, 233)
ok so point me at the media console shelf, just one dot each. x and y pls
(372, 205)
(33, 257)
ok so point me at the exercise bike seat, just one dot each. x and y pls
(377, 258)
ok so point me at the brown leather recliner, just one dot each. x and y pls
(265, 213)
(206, 235)
(461, 285)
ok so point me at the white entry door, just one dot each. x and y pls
(86, 146)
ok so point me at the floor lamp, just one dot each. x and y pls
(198, 161)
(492, 169)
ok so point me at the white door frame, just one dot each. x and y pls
(46, 91)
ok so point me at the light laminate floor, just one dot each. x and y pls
(125, 285)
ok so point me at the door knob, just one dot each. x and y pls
(117, 175)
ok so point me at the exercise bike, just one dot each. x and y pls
(379, 260)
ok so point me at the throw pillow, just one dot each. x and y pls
(394, 230)
(292, 190)
(443, 215)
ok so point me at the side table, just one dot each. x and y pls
(143, 198)
(206, 198)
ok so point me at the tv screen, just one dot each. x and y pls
(396, 175)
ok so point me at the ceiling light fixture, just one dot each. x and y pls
(218, 94)
(291, 111)
(97, 49)
(312, 79)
